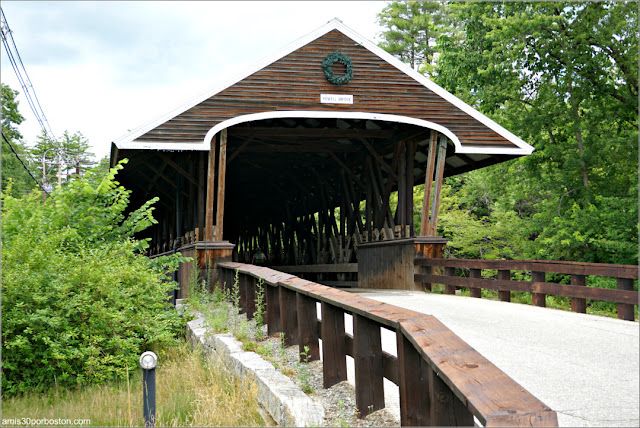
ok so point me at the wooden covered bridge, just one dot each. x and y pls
(302, 156)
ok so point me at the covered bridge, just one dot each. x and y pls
(300, 156)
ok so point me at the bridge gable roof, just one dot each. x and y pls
(291, 81)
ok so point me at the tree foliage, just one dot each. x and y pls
(411, 30)
(64, 159)
(80, 301)
(562, 76)
(13, 173)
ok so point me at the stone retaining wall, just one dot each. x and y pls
(280, 396)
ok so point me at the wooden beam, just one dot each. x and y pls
(202, 192)
(311, 132)
(239, 149)
(177, 167)
(401, 209)
(442, 154)
(265, 147)
(160, 174)
(222, 173)
(378, 158)
(210, 198)
(411, 153)
(346, 169)
(428, 185)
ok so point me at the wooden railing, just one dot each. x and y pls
(442, 380)
(443, 271)
(167, 247)
(333, 275)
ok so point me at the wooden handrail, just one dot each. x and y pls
(624, 296)
(442, 380)
(577, 268)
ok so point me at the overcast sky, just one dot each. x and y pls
(103, 68)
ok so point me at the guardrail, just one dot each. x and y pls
(442, 380)
(624, 296)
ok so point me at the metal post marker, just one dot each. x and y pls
(148, 362)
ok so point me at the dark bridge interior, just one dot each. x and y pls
(305, 190)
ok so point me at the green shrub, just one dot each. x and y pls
(80, 301)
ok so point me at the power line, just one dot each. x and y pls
(23, 77)
(25, 167)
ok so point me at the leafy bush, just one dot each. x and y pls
(80, 301)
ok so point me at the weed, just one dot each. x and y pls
(260, 308)
(283, 347)
(342, 421)
(304, 371)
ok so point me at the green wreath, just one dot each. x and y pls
(331, 59)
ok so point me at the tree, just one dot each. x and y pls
(13, 172)
(563, 76)
(412, 28)
(63, 159)
(80, 300)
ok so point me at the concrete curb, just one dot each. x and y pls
(284, 400)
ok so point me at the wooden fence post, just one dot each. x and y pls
(428, 270)
(625, 310)
(413, 384)
(307, 327)
(450, 289)
(475, 291)
(289, 316)
(334, 353)
(446, 407)
(538, 299)
(504, 295)
(250, 295)
(369, 370)
(273, 309)
(577, 304)
(242, 287)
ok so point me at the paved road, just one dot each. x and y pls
(585, 367)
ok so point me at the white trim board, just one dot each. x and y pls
(310, 114)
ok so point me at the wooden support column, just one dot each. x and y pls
(411, 153)
(401, 210)
(428, 184)
(334, 353)
(369, 369)
(289, 316)
(210, 196)
(442, 155)
(222, 174)
(202, 192)
(307, 327)
(429, 223)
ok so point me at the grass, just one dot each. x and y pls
(191, 391)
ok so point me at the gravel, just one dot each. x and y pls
(339, 401)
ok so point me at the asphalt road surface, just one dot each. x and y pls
(585, 367)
